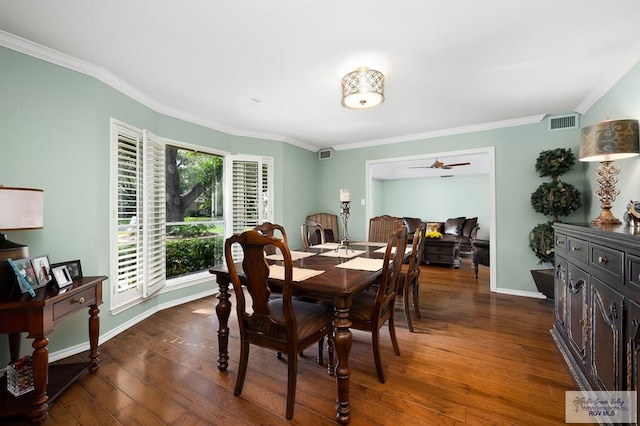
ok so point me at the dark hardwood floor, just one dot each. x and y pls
(477, 358)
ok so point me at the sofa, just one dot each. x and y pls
(462, 227)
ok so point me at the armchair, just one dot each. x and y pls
(480, 254)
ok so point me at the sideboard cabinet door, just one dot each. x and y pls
(561, 296)
(577, 311)
(605, 347)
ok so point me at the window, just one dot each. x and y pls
(194, 202)
(170, 209)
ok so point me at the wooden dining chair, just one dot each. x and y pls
(369, 310)
(381, 227)
(283, 323)
(312, 234)
(268, 228)
(329, 222)
(408, 283)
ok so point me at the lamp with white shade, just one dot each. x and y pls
(20, 209)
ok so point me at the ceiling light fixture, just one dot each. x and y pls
(362, 89)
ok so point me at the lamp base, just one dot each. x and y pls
(606, 218)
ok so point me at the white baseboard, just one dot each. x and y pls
(73, 350)
(522, 293)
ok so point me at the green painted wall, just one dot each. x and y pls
(55, 136)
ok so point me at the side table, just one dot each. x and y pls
(444, 251)
(38, 316)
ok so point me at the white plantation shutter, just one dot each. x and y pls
(138, 219)
(129, 209)
(154, 214)
(250, 184)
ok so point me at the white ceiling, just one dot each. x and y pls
(273, 68)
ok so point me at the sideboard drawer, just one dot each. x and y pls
(607, 263)
(578, 249)
(633, 271)
(74, 303)
(561, 242)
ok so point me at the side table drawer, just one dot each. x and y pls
(74, 303)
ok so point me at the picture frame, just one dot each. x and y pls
(25, 275)
(62, 276)
(74, 267)
(42, 269)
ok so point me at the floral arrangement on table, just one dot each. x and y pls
(433, 234)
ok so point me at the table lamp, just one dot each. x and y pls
(606, 142)
(20, 209)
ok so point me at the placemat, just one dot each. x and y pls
(330, 246)
(295, 255)
(363, 264)
(342, 253)
(368, 243)
(299, 274)
(393, 250)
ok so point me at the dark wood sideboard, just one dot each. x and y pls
(38, 316)
(597, 305)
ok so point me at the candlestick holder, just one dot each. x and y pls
(344, 214)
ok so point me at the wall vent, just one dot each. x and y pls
(563, 122)
(324, 154)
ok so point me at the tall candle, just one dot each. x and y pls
(345, 195)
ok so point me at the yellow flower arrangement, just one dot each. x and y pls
(433, 234)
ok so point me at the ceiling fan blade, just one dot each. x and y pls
(456, 164)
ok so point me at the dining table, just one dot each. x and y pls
(330, 271)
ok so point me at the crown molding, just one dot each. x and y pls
(55, 57)
(445, 132)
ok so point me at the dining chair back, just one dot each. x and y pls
(381, 227)
(268, 228)
(369, 310)
(329, 223)
(408, 283)
(312, 234)
(281, 323)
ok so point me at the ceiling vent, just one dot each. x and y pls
(324, 154)
(563, 122)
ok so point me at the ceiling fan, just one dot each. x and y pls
(440, 165)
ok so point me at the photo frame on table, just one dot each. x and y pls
(25, 275)
(42, 269)
(73, 266)
(62, 276)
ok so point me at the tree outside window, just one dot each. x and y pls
(194, 211)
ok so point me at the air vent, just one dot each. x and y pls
(563, 122)
(324, 154)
